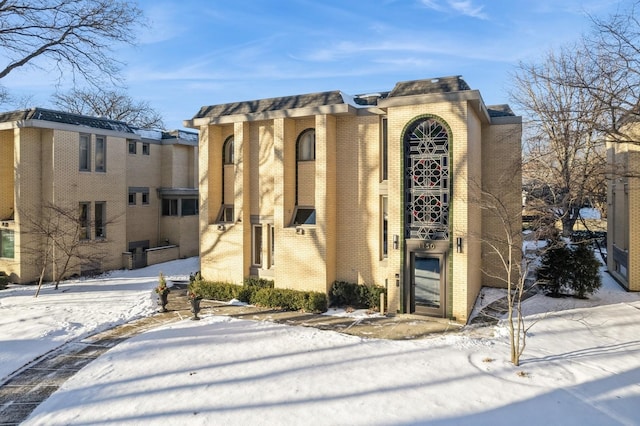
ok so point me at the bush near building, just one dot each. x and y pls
(261, 292)
(571, 269)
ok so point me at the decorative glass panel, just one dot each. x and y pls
(427, 180)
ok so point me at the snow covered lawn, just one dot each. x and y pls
(30, 327)
(581, 367)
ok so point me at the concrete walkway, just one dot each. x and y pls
(35, 382)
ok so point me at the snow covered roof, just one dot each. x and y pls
(66, 118)
(335, 97)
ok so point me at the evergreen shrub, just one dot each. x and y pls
(4, 280)
(260, 292)
(572, 269)
(344, 293)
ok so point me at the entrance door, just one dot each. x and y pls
(427, 284)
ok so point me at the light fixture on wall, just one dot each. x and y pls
(459, 244)
(395, 242)
(221, 227)
(299, 230)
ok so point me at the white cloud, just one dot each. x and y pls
(466, 7)
(463, 7)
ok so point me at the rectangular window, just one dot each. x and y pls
(189, 207)
(132, 198)
(226, 213)
(272, 245)
(256, 244)
(99, 219)
(85, 227)
(85, 153)
(101, 154)
(133, 147)
(145, 198)
(145, 149)
(7, 243)
(384, 201)
(384, 149)
(304, 216)
(170, 207)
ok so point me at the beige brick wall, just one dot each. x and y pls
(623, 220)
(144, 171)
(502, 178)
(345, 179)
(6, 174)
(44, 179)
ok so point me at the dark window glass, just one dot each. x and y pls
(84, 221)
(189, 207)
(101, 154)
(305, 216)
(170, 207)
(85, 153)
(100, 220)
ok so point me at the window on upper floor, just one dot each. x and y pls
(227, 151)
(145, 198)
(101, 154)
(132, 198)
(306, 147)
(189, 207)
(133, 147)
(170, 207)
(85, 153)
(384, 148)
(146, 149)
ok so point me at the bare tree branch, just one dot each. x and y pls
(115, 105)
(75, 35)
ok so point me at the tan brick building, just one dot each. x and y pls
(132, 190)
(623, 211)
(384, 188)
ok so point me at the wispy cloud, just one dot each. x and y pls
(463, 7)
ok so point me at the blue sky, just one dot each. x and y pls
(198, 52)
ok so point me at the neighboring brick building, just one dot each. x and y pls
(117, 178)
(623, 211)
(383, 189)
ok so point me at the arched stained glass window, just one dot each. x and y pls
(427, 180)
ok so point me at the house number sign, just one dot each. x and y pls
(428, 246)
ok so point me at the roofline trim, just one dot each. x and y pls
(336, 109)
(52, 125)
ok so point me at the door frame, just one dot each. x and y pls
(433, 249)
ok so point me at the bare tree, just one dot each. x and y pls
(59, 240)
(565, 158)
(112, 104)
(505, 246)
(74, 35)
(612, 50)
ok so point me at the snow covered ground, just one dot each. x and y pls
(581, 365)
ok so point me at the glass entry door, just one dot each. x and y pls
(427, 284)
